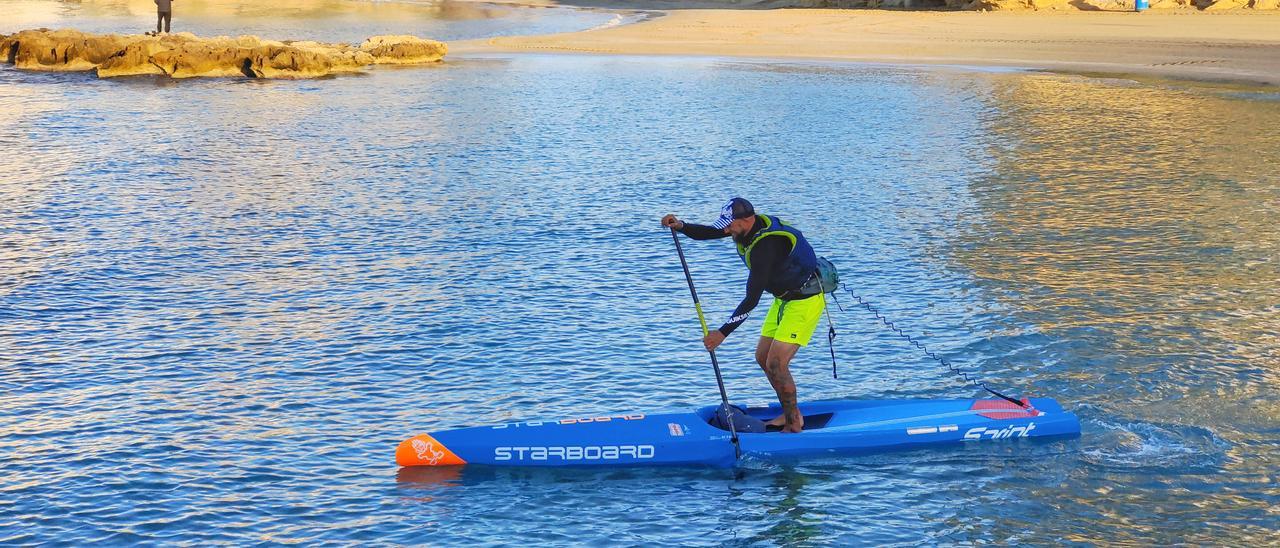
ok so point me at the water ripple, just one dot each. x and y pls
(223, 303)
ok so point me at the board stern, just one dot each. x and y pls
(424, 450)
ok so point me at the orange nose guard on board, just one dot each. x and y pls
(424, 450)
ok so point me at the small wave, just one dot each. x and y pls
(614, 21)
(1144, 445)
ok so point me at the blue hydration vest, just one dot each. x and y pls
(799, 265)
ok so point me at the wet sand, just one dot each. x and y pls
(1238, 47)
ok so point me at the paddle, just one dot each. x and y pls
(724, 396)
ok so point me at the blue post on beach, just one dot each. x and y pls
(1141, 5)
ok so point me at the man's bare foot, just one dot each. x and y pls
(780, 420)
(795, 422)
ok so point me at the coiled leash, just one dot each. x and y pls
(831, 337)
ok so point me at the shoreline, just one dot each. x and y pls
(1221, 47)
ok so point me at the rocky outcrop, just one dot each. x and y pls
(186, 55)
(60, 50)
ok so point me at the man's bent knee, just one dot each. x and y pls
(782, 352)
(762, 350)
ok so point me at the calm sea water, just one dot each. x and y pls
(223, 303)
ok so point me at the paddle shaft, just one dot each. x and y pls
(715, 364)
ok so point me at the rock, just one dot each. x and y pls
(43, 49)
(133, 60)
(210, 58)
(1265, 4)
(185, 55)
(343, 56)
(403, 49)
(289, 62)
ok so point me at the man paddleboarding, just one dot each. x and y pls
(779, 260)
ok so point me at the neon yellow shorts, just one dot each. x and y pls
(793, 321)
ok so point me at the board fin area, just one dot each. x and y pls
(424, 450)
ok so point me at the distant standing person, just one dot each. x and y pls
(164, 14)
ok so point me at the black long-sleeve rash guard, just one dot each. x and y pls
(765, 256)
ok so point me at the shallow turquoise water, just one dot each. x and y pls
(223, 303)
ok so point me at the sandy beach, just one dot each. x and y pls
(1238, 47)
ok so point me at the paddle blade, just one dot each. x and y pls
(741, 421)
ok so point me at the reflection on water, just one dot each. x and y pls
(223, 303)
(1136, 227)
(1145, 212)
